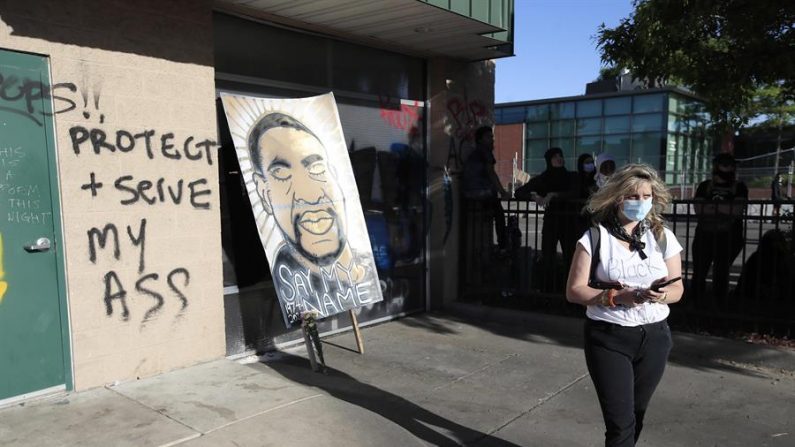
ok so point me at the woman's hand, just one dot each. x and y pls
(649, 295)
(631, 296)
(626, 297)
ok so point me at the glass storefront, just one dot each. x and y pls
(382, 111)
(663, 128)
(689, 142)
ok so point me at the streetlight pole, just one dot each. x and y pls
(778, 144)
(513, 172)
(683, 181)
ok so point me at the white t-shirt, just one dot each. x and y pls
(618, 263)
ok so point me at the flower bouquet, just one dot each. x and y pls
(309, 326)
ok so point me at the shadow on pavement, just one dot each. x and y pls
(690, 350)
(433, 325)
(338, 346)
(412, 417)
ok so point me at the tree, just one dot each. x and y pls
(609, 73)
(774, 111)
(723, 50)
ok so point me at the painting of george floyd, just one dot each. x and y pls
(299, 179)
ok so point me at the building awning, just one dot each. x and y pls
(406, 26)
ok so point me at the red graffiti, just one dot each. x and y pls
(466, 116)
(403, 117)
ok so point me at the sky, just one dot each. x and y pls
(554, 43)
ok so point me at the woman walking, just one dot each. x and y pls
(625, 289)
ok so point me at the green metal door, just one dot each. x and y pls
(33, 329)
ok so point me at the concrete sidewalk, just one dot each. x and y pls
(473, 376)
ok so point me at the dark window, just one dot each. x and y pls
(538, 113)
(512, 115)
(591, 107)
(561, 110)
(618, 106)
(250, 49)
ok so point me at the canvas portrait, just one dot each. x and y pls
(303, 194)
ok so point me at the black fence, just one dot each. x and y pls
(749, 287)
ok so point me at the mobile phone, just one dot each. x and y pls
(615, 285)
(659, 286)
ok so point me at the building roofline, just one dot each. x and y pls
(447, 33)
(636, 92)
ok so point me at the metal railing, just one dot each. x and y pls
(757, 293)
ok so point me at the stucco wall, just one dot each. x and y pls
(133, 91)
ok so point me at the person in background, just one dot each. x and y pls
(551, 189)
(482, 186)
(719, 234)
(583, 184)
(605, 167)
(776, 195)
(627, 338)
(768, 275)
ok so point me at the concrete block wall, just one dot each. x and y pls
(126, 75)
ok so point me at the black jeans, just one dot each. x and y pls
(626, 364)
(493, 212)
(556, 229)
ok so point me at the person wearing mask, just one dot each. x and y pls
(627, 290)
(605, 167)
(583, 184)
(482, 187)
(551, 190)
(718, 239)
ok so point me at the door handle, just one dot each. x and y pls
(42, 244)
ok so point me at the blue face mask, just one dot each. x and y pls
(636, 210)
(588, 167)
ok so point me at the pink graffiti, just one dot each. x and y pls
(466, 116)
(404, 118)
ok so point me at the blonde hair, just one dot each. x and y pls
(603, 204)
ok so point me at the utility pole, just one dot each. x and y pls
(778, 144)
(683, 177)
(789, 182)
(513, 173)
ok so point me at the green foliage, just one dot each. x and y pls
(722, 49)
(774, 111)
(772, 107)
(609, 73)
